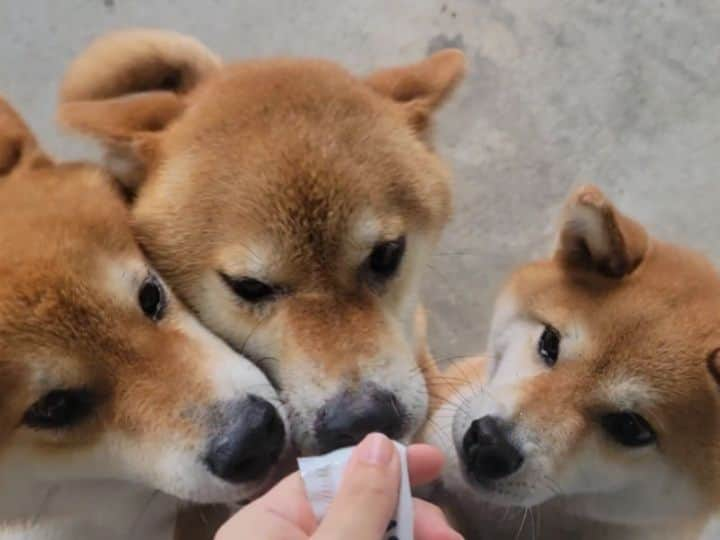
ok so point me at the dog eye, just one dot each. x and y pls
(628, 428)
(151, 298)
(249, 289)
(549, 345)
(385, 258)
(60, 409)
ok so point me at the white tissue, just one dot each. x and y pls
(322, 476)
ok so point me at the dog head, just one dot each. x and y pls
(103, 374)
(290, 204)
(601, 387)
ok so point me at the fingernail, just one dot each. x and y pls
(375, 449)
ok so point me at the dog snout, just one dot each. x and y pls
(487, 451)
(349, 416)
(249, 444)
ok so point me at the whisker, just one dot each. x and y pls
(553, 485)
(444, 278)
(455, 358)
(45, 503)
(143, 511)
(459, 253)
(539, 520)
(532, 523)
(445, 436)
(522, 524)
(252, 331)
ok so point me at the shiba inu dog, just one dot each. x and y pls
(290, 204)
(114, 400)
(598, 404)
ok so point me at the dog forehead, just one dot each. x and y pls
(672, 286)
(60, 229)
(303, 184)
(659, 324)
(51, 212)
(280, 101)
(303, 126)
(54, 310)
(264, 88)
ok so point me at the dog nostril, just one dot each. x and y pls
(349, 416)
(487, 452)
(496, 464)
(248, 447)
(483, 432)
(471, 439)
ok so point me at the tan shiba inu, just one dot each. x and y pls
(598, 405)
(114, 400)
(290, 204)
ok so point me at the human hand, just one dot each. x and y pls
(362, 507)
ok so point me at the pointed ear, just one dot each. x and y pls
(128, 86)
(594, 236)
(421, 87)
(18, 147)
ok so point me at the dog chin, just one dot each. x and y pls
(510, 493)
(219, 492)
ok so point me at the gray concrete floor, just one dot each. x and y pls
(559, 92)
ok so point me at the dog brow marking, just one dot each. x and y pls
(366, 230)
(628, 392)
(255, 260)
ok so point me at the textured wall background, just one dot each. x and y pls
(625, 94)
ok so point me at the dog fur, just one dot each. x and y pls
(290, 172)
(70, 319)
(639, 326)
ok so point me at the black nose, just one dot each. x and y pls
(249, 444)
(349, 416)
(487, 451)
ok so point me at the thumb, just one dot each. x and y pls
(368, 493)
(284, 513)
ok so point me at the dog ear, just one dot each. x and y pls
(18, 147)
(594, 236)
(421, 87)
(126, 87)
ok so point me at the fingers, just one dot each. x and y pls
(431, 524)
(425, 463)
(362, 508)
(366, 500)
(288, 501)
(283, 513)
(255, 525)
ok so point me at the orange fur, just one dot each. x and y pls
(269, 169)
(645, 311)
(50, 215)
(71, 319)
(280, 161)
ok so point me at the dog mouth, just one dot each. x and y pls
(342, 418)
(501, 493)
(510, 492)
(287, 464)
(477, 483)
